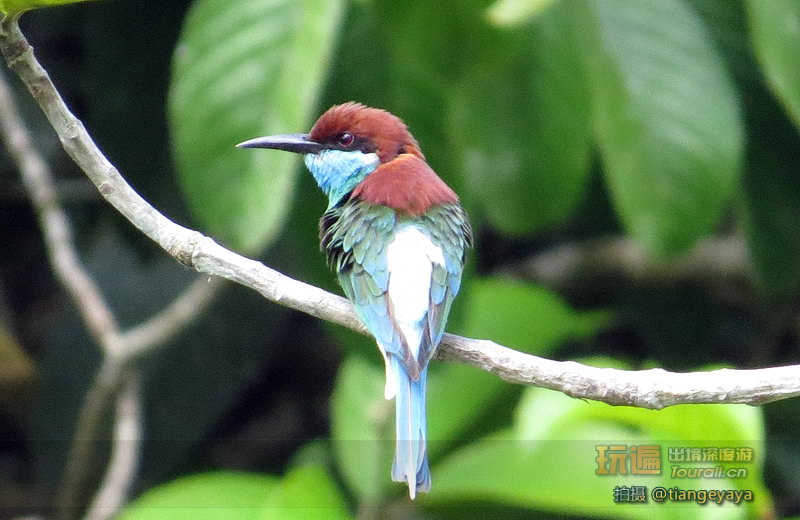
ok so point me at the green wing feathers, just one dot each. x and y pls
(355, 237)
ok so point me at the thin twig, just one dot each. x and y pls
(80, 147)
(649, 388)
(81, 452)
(184, 308)
(80, 286)
(120, 348)
(713, 261)
(125, 452)
(55, 227)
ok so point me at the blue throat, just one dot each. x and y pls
(338, 172)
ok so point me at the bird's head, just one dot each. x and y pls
(347, 143)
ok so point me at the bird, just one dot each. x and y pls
(397, 237)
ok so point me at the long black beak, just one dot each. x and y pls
(298, 143)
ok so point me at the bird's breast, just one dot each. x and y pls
(410, 257)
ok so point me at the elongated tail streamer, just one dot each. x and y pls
(411, 454)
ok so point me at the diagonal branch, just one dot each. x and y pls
(119, 347)
(650, 388)
(58, 235)
(154, 332)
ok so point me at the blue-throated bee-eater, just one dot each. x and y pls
(396, 236)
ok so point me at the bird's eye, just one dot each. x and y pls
(346, 139)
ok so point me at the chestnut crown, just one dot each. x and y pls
(356, 127)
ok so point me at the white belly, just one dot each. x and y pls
(410, 258)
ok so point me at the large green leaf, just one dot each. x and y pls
(362, 428)
(666, 118)
(726, 23)
(524, 317)
(423, 63)
(221, 495)
(547, 461)
(353, 81)
(244, 69)
(552, 416)
(14, 7)
(771, 187)
(547, 476)
(460, 397)
(512, 12)
(521, 119)
(775, 28)
(305, 492)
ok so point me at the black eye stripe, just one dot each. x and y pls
(347, 141)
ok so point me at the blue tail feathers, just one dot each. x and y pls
(411, 454)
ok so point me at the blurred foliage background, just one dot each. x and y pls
(630, 170)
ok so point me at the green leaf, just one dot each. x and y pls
(547, 461)
(422, 66)
(313, 453)
(525, 145)
(775, 29)
(545, 476)
(771, 188)
(458, 398)
(363, 421)
(362, 428)
(244, 69)
(221, 495)
(524, 317)
(666, 118)
(513, 12)
(15, 7)
(305, 492)
(549, 415)
(353, 81)
(726, 23)
(772, 203)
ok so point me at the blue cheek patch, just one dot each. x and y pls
(338, 172)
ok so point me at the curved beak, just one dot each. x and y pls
(298, 143)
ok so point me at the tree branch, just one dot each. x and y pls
(154, 332)
(119, 347)
(81, 451)
(55, 227)
(125, 453)
(713, 261)
(654, 388)
(649, 389)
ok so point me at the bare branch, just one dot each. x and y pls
(114, 490)
(80, 147)
(655, 388)
(650, 389)
(56, 230)
(164, 325)
(119, 348)
(714, 260)
(81, 451)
